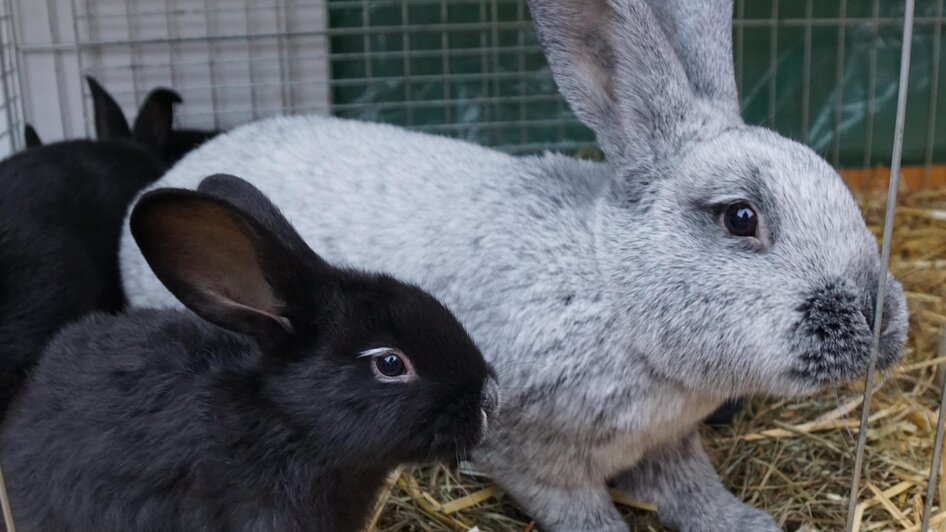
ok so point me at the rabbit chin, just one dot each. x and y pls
(816, 371)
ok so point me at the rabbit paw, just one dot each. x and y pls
(728, 518)
(756, 520)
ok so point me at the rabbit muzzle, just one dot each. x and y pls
(834, 336)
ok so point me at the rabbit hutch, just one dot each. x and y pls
(837, 75)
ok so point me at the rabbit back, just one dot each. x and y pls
(388, 199)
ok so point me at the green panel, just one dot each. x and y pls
(472, 69)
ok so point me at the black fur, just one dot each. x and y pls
(110, 122)
(31, 136)
(152, 127)
(159, 420)
(61, 215)
(183, 141)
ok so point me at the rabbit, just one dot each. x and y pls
(620, 302)
(110, 124)
(172, 144)
(31, 137)
(61, 215)
(281, 403)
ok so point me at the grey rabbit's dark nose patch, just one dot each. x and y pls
(832, 337)
(832, 313)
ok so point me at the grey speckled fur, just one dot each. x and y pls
(615, 307)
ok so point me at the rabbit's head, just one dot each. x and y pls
(742, 261)
(153, 126)
(366, 364)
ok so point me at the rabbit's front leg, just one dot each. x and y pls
(572, 508)
(689, 495)
(562, 498)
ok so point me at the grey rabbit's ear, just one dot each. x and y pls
(110, 121)
(224, 262)
(614, 65)
(701, 35)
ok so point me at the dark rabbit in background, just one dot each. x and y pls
(110, 124)
(284, 410)
(170, 144)
(60, 219)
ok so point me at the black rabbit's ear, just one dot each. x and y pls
(31, 136)
(224, 263)
(110, 121)
(246, 197)
(156, 117)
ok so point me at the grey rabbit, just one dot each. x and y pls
(280, 403)
(620, 302)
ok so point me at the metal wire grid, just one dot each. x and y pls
(10, 109)
(830, 78)
(461, 78)
(893, 187)
(232, 61)
(473, 68)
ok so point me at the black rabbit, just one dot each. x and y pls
(279, 404)
(61, 215)
(149, 127)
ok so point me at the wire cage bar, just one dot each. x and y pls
(473, 68)
(232, 62)
(906, 49)
(5, 506)
(10, 112)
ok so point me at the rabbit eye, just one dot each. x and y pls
(741, 219)
(390, 365)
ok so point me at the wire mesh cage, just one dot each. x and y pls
(825, 72)
(232, 62)
(10, 109)
(821, 72)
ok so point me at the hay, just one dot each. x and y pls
(792, 458)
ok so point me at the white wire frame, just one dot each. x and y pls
(893, 187)
(232, 61)
(11, 118)
(506, 118)
(10, 123)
